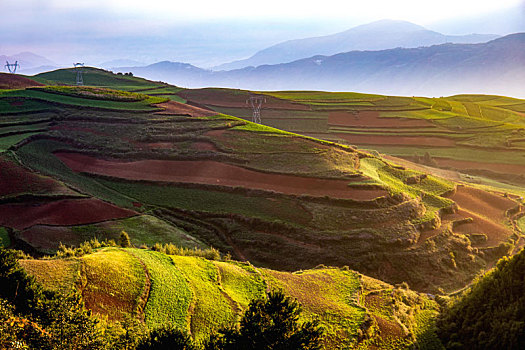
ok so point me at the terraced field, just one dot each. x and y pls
(480, 135)
(202, 295)
(185, 167)
(95, 161)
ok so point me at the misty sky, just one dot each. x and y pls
(207, 33)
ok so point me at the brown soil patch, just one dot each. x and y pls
(396, 140)
(15, 179)
(204, 146)
(216, 173)
(389, 329)
(60, 213)
(215, 133)
(13, 81)
(229, 98)
(153, 145)
(173, 107)
(488, 211)
(364, 119)
(495, 167)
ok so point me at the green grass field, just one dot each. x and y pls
(212, 307)
(170, 294)
(69, 100)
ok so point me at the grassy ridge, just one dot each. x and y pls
(42, 95)
(202, 295)
(212, 309)
(170, 294)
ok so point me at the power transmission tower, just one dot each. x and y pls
(256, 103)
(11, 67)
(78, 69)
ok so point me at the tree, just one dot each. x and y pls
(270, 324)
(124, 241)
(166, 338)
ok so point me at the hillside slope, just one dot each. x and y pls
(200, 295)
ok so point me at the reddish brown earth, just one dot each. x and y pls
(153, 145)
(367, 119)
(13, 81)
(215, 133)
(495, 167)
(216, 173)
(222, 98)
(15, 179)
(488, 211)
(173, 107)
(396, 140)
(61, 212)
(204, 146)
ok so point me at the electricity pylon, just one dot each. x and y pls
(256, 103)
(11, 67)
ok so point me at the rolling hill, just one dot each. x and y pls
(200, 295)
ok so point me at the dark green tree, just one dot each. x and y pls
(270, 324)
(166, 338)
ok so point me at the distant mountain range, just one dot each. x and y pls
(380, 35)
(29, 62)
(496, 67)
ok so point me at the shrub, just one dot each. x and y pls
(124, 241)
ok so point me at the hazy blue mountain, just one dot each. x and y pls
(121, 62)
(495, 67)
(380, 35)
(28, 60)
(170, 71)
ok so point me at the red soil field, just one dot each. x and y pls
(13, 81)
(15, 179)
(216, 173)
(495, 167)
(153, 145)
(372, 119)
(173, 107)
(215, 133)
(223, 98)
(61, 212)
(396, 140)
(204, 146)
(488, 211)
